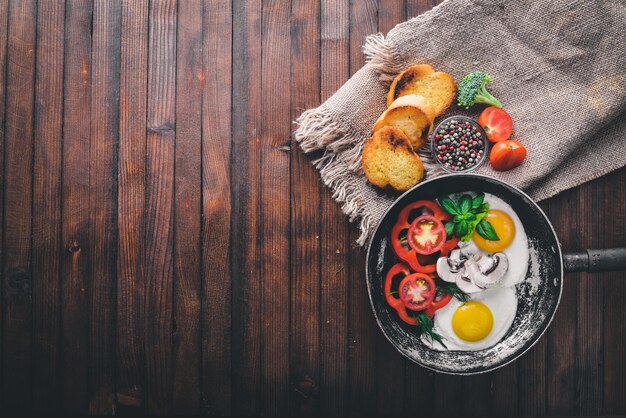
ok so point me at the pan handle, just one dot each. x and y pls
(608, 259)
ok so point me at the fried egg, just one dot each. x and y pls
(513, 240)
(477, 324)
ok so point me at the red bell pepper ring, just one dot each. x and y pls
(417, 262)
(438, 304)
(396, 303)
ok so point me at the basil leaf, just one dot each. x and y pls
(458, 218)
(485, 230)
(470, 231)
(470, 217)
(448, 205)
(482, 208)
(460, 229)
(480, 217)
(478, 200)
(449, 228)
(465, 203)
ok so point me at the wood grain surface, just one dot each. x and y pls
(167, 248)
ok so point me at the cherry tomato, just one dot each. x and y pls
(417, 291)
(506, 155)
(497, 124)
(426, 235)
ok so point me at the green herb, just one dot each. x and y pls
(445, 288)
(485, 230)
(395, 292)
(427, 325)
(468, 213)
(448, 205)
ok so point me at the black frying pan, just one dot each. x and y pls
(537, 300)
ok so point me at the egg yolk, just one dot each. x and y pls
(504, 227)
(472, 321)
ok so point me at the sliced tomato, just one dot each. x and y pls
(399, 233)
(417, 291)
(426, 235)
(506, 155)
(497, 123)
(437, 304)
(396, 303)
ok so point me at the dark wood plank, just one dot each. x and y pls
(190, 76)
(4, 23)
(334, 237)
(47, 206)
(274, 208)
(305, 215)
(592, 230)
(448, 398)
(216, 209)
(103, 204)
(390, 13)
(477, 396)
(389, 366)
(417, 7)
(363, 330)
(561, 336)
(160, 204)
(246, 239)
(18, 182)
(504, 391)
(131, 206)
(75, 223)
(613, 225)
(420, 383)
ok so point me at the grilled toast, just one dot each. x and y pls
(413, 115)
(437, 87)
(389, 161)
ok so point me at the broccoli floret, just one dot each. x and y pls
(472, 90)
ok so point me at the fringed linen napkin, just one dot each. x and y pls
(558, 66)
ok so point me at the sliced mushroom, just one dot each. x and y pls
(449, 269)
(485, 262)
(468, 249)
(491, 273)
(455, 261)
(465, 284)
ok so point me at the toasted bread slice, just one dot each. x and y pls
(438, 87)
(389, 161)
(413, 115)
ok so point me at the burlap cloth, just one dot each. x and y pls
(559, 68)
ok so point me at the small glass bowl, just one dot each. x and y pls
(475, 124)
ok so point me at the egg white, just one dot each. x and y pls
(503, 305)
(517, 252)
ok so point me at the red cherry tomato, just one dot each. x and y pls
(497, 124)
(426, 235)
(506, 155)
(417, 291)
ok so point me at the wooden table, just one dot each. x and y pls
(166, 247)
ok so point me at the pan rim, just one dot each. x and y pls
(560, 262)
